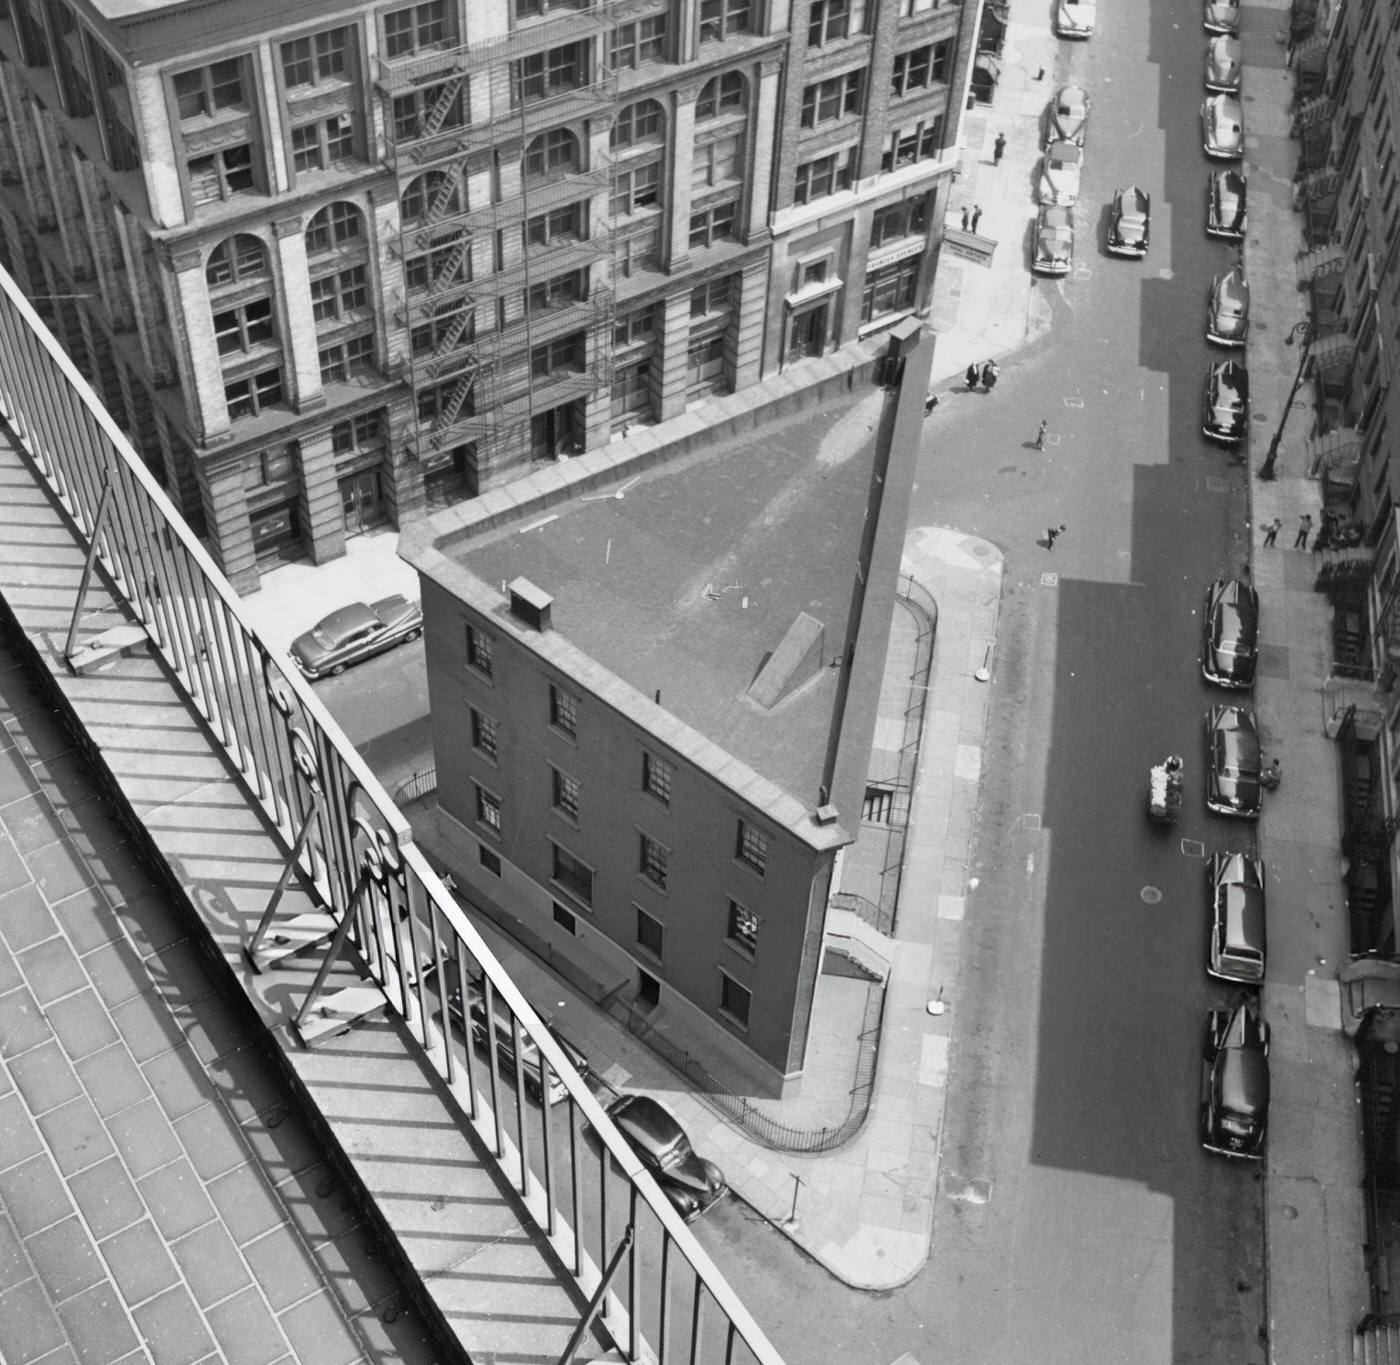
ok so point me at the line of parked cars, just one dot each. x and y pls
(1234, 1098)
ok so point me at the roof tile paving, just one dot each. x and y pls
(173, 1328)
(98, 1328)
(83, 1026)
(24, 914)
(179, 1082)
(86, 919)
(112, 1080)
(175, 1196)
(144, 1140)
(107, 1196)
(44, 1078)
(213, 1266)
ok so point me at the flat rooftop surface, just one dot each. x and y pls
(683, 580)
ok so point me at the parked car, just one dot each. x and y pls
(1074, 18)
(1130, 222)
(1069, 115)
(1227, 205)
(1237, 944)
(691, 1183)
(1229, 650)
(1233, 761)
(1235, 1082)
(1222, 127)
(1054, 241)
(354, 633)
(1225, 406)
(1222, 16)
(1059, 173)
(1227, 323)
(475, 1022)
(1224, 63)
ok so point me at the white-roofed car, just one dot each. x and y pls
(1225, 403)
(1059, 173)
(1227, 321)
(1069, 115)
(1053, 252)
(1130, 222)
(1227, 213)
(1222, 16)
(1224, 64)
(1075, 18)
(1222, 127)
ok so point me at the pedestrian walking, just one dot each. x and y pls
(1324, 533)
(1271, 776)
(1300, 541)
(1272, 529)
(1052, 534)
(930, 402)
(990, 374)
(976, 216)
(973, 376)
(998, 149)
(967, 215)
(1040, 435)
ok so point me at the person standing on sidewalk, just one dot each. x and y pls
(1300, 541)
(967, 215)
(990, 374)
(973, 376)
(976, 216)
(1052, 534)
(1272, 529)
(1040, 435)
(998, 149)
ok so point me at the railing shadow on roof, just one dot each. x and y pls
(353, 851)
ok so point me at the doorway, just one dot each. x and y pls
(648, 990)
(556, 432)
(808, 333)
(361, 501)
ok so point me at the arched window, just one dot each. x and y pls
(555, 152)
(422, 195)
(726, 94)
(637, 124)
(335, 226)
(235, 260)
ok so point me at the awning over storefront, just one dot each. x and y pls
(986, 71)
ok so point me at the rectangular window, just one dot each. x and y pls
(656, 777)
(485, 733)
(828, 21)
(339, 362)
(734, 999)
(356, 433)
(631, 389)
(638, 251)
(921, 68)
(718, 296)
(248, 397)
(632, 329)
(563, 356)
(479, 645)
(714, 224)
(633, 44)
(210, 90)
(243, 328)
(567, 922)
(571, 873)
(488, 809)
(742, 930)
(909, 8)
(563, 710)
(429, 110)
(316, 146)
(335, 296)
(315, 60)
(415, 28)
(221, 174)
(905, 146)
(544, 74)
(721, 19)
(654, 861)
(890, 290)
(826, 175)
(557, 226)
(637, 187)
(563, 291)
(565, 793)
(907, 219)
(718, 162)
(274, 465)
(832, 99)
(751, 847)
(490, 859)
(651, 933)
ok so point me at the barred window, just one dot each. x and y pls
(656, 777)
(484, 733)
(654, 861)
(751, 847)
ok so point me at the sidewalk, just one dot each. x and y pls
(1314, 1216)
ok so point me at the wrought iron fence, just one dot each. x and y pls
(352, 850)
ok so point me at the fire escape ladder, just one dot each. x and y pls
(454, 404)
(448, 272)
(442, 106)
(443, 195)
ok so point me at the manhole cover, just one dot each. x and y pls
(1150, 895)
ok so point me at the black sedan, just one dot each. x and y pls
(1229, 650)
(1232, 761)
(1227, 323)
(691, 1183)
(1130, 224)
(1054, 241)
(1237, 945)
(1227, 205)
(354, 633)
(1225, 402)
(1235, 1082)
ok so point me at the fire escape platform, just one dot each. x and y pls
(447, 1224)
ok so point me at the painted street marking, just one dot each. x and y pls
(1073, 401)
(967, 1191)
(1192, 848)
(535, 525)
(1050, 580)
(1030, 822)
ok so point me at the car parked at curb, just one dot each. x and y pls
(1075, 18)
(1227, 205)
(1059, 174)
(691, 1183)
(1227, 321)
(1225, 403)
(1224, 64)
(1233, 762)
(1069, 115)
(1235, 1082)
(1221, 16)
(1130, 222)
(1230, 648)
(1222, 127)
(1054, 241)
(354, 633)
(1237, 938)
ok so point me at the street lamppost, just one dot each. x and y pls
(1303, 331)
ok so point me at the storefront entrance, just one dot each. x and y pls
(557, 432)
(807, 335)
(362, 502)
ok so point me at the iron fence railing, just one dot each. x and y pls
(878, 917)
(353, 852)
(763, 1127)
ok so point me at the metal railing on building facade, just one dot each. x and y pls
(349, 847)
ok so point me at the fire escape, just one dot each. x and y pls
(476, 297)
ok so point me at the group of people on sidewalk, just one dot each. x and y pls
(1332, 532)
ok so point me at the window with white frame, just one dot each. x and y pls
(563, 710)
(480, 650)
(488, 809)
(829, 21)
(824, 175)
(921, 67)
(657, 773)
(419, 28)
(742, 928)
(923, 141)
(751, 847)
(565, 791)
(643, 40)
(832, 99)
(721, 19)
(319, 59)
(485, 733)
